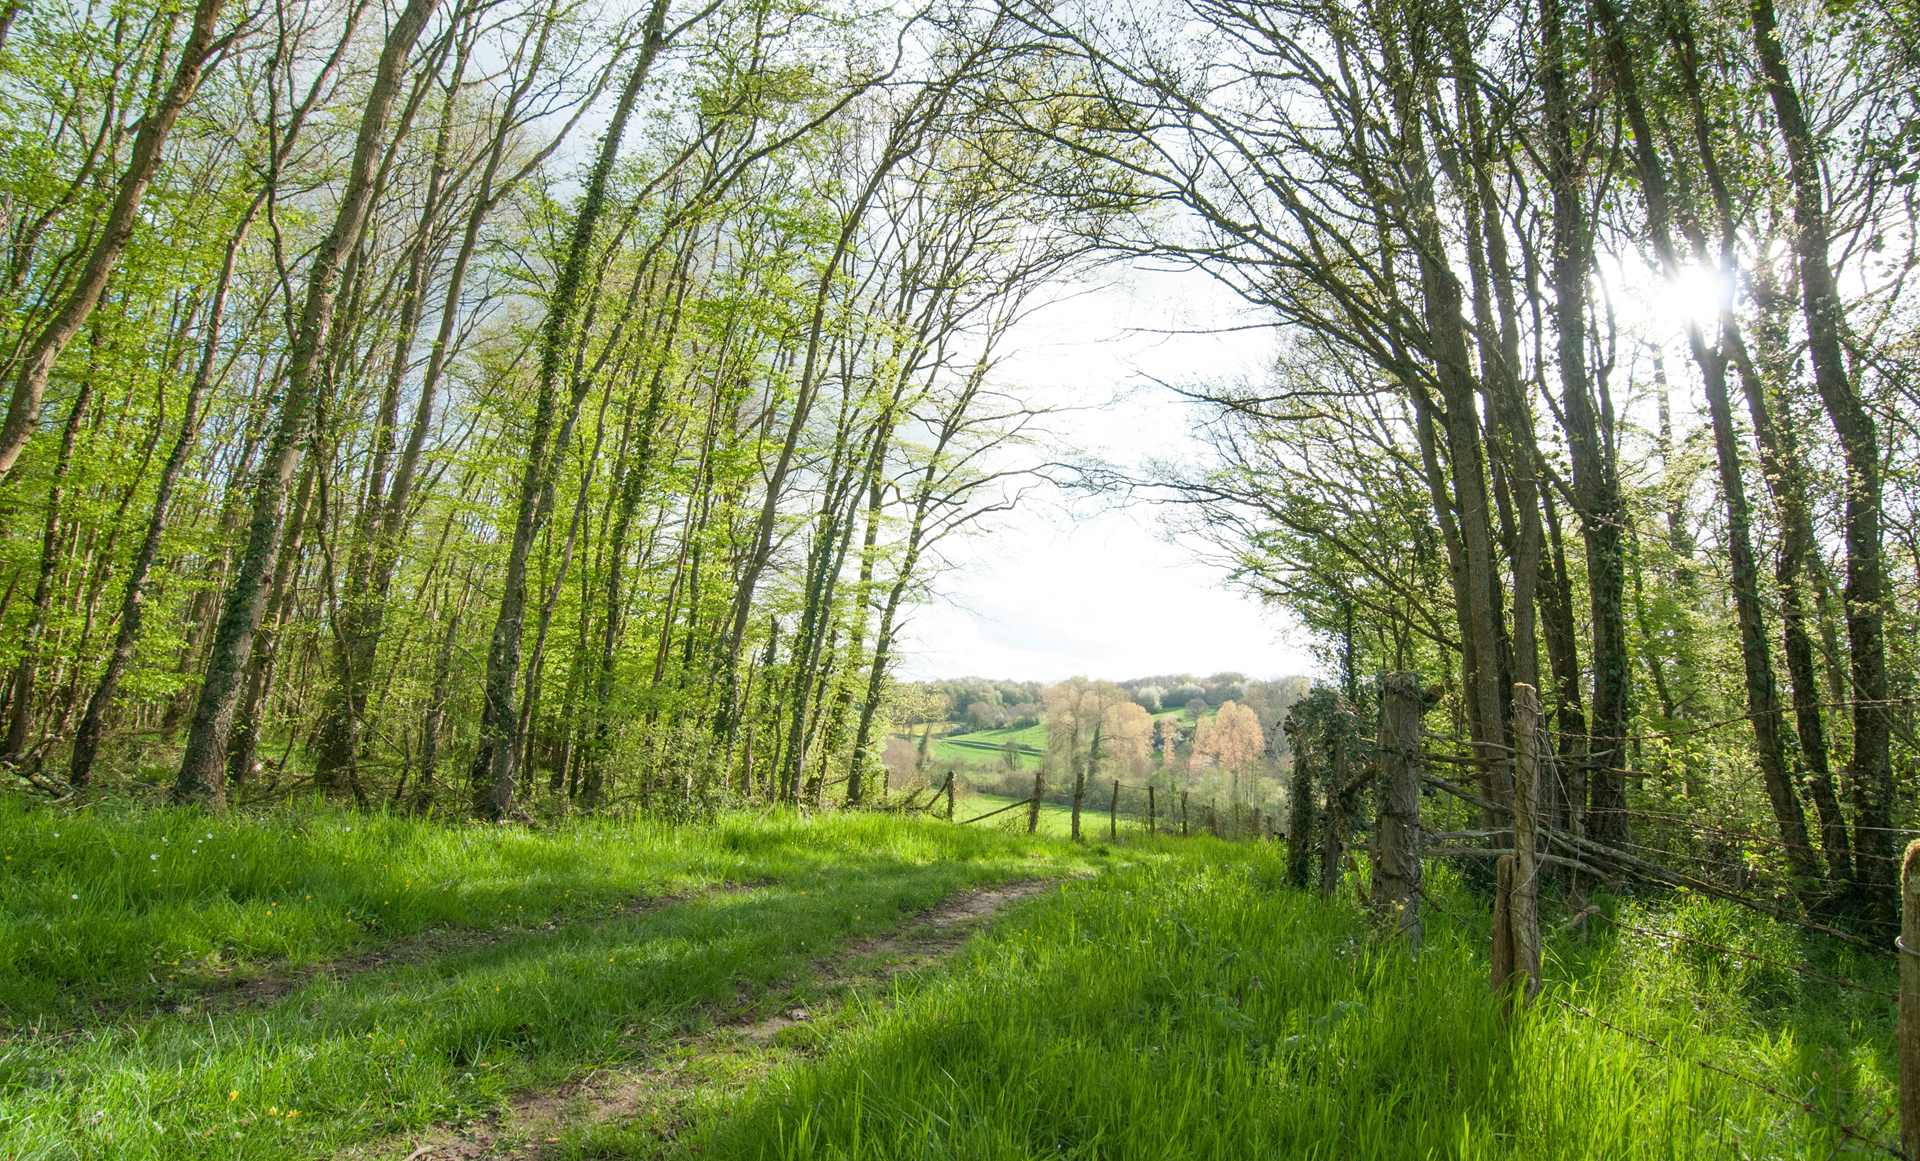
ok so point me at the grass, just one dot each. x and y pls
(1189, 1006)
(1055, 820)
(337, 1062)
(125, 906)
(988, 747)
(1183, 1003)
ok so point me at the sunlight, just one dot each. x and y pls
(1693, 295)
(1651, 305)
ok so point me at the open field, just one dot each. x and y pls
(1055, 820)
(988, 747)
(759, 987)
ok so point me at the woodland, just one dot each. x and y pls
(475, 463)
(658, 349)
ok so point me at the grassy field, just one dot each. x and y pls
(1055, 820)
(988, 747)
(1193, 1007)
(1173, 999)
(615, 941)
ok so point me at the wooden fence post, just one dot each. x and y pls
(1113, 812)
(1396, 833)
(949, 796)
(1033, 808)
(1333, 831)
(1183, 814)
(1503, 927)
(1153, 824)
(1909, 1021)
(1299, 806)
(1524, 906)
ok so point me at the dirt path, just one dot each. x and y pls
(735, 1048)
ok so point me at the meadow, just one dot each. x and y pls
(989, 747)
(329, 984)
(966, 747)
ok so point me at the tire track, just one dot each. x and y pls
(528, 1126)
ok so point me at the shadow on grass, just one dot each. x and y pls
(117, 910)
(405, 1046)
(1199, 1012)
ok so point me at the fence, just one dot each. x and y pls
(1144, 808)
(1526, 844)
(1532, 834)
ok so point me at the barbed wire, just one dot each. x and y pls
(1775, 842)
(1593, 850)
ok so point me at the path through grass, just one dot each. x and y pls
(1191, 1006)
(1184, 1003)
(398, 1047)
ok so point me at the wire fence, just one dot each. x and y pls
(1665, 845)
(1491, 810)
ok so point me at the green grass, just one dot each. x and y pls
(1191, 1006)
(411, 1044)
(988, 747)
(119, 906)
(1055, 820)
(1183, 1003)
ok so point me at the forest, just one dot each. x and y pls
(476, 465)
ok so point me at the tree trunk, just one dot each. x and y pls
(491, 776)
(1866, 586)
(201, 777)
(20, 702)
(1596, 485)
(29, 388)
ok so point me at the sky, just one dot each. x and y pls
(1072, 585)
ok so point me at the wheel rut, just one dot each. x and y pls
(741, 1043)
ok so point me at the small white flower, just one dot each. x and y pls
(74, 897)
(155, 856)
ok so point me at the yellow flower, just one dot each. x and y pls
(233, 1094)
(292, 1113)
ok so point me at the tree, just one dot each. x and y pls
(1077, 719)
(202, 770)
(1231, 741)
(116, 232)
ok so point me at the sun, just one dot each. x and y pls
(1659, 307)
(1695, 294)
